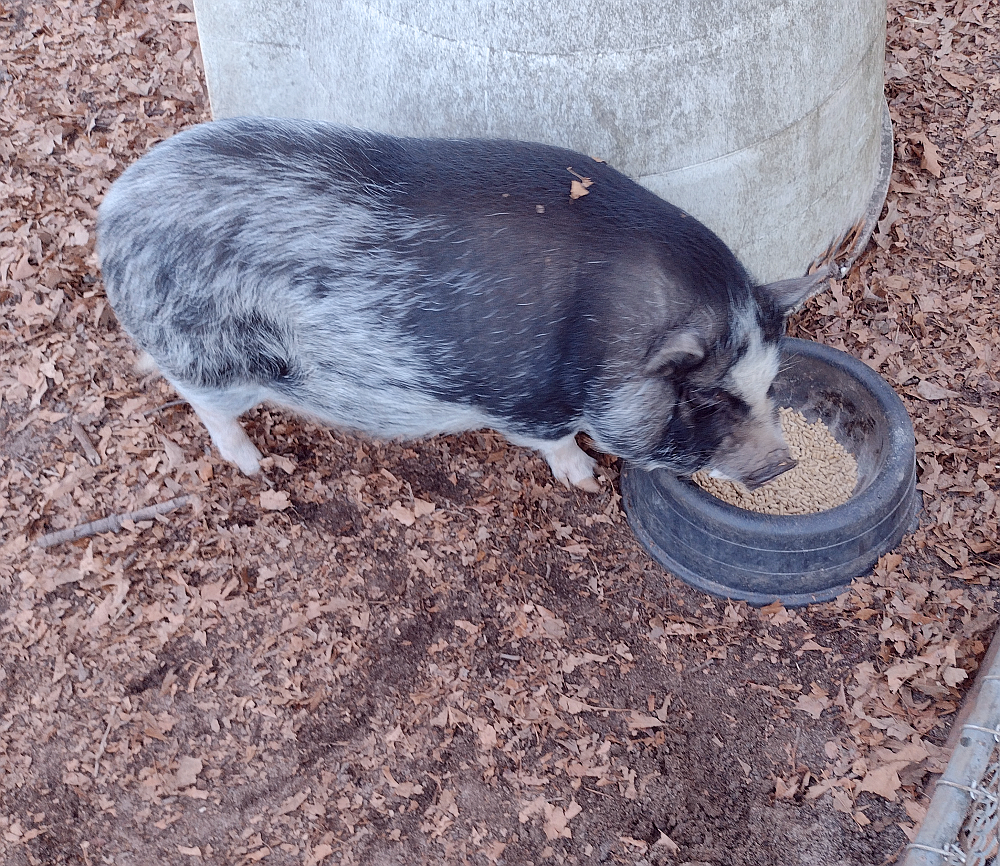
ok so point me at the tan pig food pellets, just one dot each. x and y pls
(824, 478)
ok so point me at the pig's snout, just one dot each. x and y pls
(777, 463)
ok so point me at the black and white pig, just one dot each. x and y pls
(410, 287)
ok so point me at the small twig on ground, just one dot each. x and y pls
(112, 523)
(104, 741)
(89, 450)
(163, 407)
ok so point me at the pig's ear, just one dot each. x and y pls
(789, 295)
(684, 348)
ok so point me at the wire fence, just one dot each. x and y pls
(962, 825)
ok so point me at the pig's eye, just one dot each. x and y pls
(717, 405)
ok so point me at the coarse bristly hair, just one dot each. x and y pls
(409, 287)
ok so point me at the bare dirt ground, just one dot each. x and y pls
(430, 652)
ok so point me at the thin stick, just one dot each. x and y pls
(104, 741)
(111, 523)
(164, 407)
(88, 447)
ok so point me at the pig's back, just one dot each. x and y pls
(342, 269)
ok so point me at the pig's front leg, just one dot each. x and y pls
(569, 463)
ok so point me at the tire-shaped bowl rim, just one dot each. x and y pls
(889, 498)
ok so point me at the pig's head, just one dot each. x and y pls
(700, 397)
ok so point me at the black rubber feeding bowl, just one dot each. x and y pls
(760, 558)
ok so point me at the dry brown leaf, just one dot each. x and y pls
(188, 768)
(883, 781)
(812, 705)
(642, 722)
(486, 732)
(403, 514)
(900, 673)
(274, 500)
(318, 854)
(573, 705)
(930, 160)
(776, 613)
(931, 391)
(421, 508)
(953, 676)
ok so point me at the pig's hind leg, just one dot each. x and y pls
(220, 412)
(220, 420)
(569, 463)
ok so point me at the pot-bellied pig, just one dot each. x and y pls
(410, 287)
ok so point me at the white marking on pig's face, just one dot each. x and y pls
(756, 443)
(751, 376)
(719, 474)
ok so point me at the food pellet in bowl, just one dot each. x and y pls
(824, 478)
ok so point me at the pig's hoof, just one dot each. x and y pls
(235, 446)
(247, 458)
(145, 365)
(229, 437)
(571, 465)
(591, 484)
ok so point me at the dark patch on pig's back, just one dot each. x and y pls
(529, 356)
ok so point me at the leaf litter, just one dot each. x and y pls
(429, 652)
